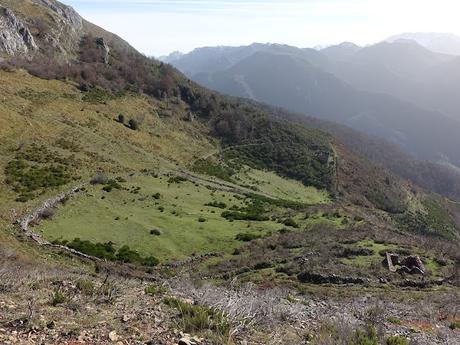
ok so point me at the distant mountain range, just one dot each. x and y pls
(438, 42)
(397, 90)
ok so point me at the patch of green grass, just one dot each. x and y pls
(211, 168)
(91, 218)
(154, 290)
(455, 324)
(282, 188)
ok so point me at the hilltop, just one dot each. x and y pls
(137, 205)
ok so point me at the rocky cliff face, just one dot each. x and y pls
(30, 26)
(15, 36)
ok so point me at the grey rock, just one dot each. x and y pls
(15, 36)
(102, 44)
(66, 12)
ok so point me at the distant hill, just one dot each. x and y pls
(370, 89)
(438, 42)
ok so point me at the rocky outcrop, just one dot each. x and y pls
(104, 47)
(15, 36)
(65, 12)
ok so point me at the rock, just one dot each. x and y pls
(188, 340)
(113, 336)
(65, 12)
(185, 341)
(15, 36)
(390, 261)
(102, 44)
(414, 264)
(125, 318)
(316, 278)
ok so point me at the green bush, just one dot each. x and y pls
(364, 337)
(196, 318)
(213, 169)
(156, 232)
(216, 204)
(133, 124)
(176, 179)
(202, 220)
(290, 222)
(108, 252)
(85, 286)
(58, 297)
(247, 236)
(110, 185)
(154, 290)
(26, 178)
(455, 324)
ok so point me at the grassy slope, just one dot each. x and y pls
(92, 215)
(43, 112)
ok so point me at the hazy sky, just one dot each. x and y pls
(157, 27)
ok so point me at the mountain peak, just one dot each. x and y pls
(444, 43)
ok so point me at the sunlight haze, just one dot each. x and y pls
(158, 27)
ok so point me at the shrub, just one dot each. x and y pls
(247, 236)
(212, 169)
(99, 178)
(121, 118)
(26, 178)
(202, 220)
(85, 286)
(57, 297)
(150, 261)
(176, 179)
(108, 252)
(110, 185)
(366, 337)
(216, 204)
(47, 213)
(455, 324)
(196, 318)
(290, 222)
(156, 196)
(154, 290)
(156, 232)
(133, 124)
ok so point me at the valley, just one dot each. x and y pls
(139, 207)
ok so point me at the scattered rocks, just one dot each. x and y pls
(316, 278)
(411, 264)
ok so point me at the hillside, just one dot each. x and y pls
(307, 83)
(139, 207)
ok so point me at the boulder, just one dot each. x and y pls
(414, 263)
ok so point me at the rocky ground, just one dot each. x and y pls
(51, 306)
